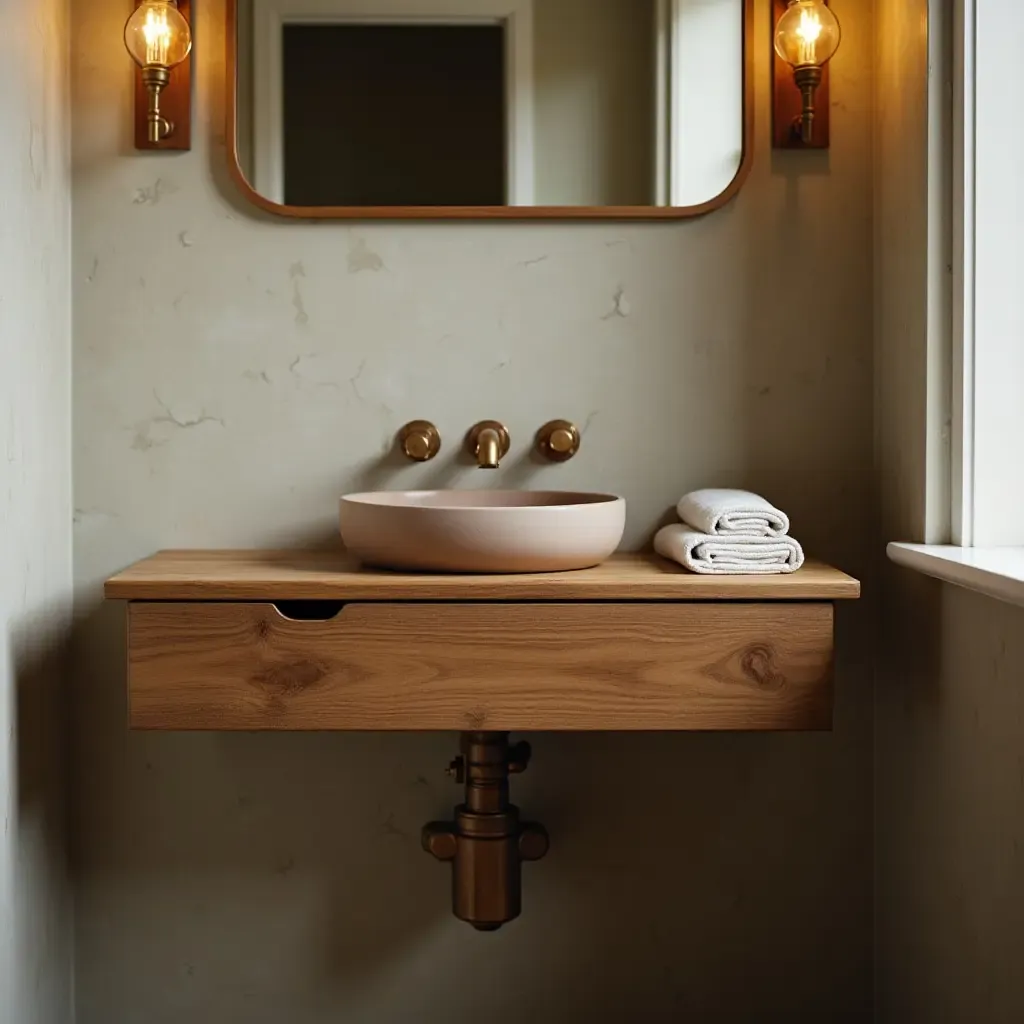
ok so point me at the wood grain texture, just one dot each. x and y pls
(175, 100)
(488, 212)
(230, 666)
(332, 575)
(788, 104)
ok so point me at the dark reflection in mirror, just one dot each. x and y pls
(397, 115)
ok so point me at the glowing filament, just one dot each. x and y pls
(157, 33)
(808, 32)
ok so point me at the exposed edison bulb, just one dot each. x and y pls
(157, 36)
(808, 34)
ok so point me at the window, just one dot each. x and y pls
(979, 388)
(988, 276)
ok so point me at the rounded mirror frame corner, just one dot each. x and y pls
(486, 213)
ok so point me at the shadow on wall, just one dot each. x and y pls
(40, 670)
(36, 832)
(286, 818)
(949, 829)
(808, 370)
(676, 858)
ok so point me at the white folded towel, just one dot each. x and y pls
(726, 513)
(728, 556)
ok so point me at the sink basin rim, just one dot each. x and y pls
(501, 503)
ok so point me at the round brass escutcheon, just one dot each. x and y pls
(419, 440)
(558, 440)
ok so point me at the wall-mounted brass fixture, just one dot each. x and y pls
(159, 39)
(419, 440)
(488, 442)
(558, 440)
(807, 35)
(486, 843)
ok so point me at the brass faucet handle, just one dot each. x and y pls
(558, 440)
(420, 440)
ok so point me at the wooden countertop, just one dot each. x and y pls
(333, 576)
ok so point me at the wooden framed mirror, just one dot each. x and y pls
(478, 109)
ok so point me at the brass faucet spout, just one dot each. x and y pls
(488, 442)
(488, 452)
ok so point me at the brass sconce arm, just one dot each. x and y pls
(807, 80)
(155, 80)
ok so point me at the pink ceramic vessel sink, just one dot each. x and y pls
(482, 531)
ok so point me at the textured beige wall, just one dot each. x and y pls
(949, 715)
(950, 872)
(235, 373)
(35, 509)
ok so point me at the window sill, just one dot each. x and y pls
(995, 572)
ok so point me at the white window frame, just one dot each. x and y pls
(987, 409)
(986, 397)
(270, 17)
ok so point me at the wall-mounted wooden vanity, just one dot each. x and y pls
(308, 641)
(260, 640)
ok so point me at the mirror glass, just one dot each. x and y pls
(489, 103)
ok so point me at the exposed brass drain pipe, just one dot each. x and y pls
(486, 842)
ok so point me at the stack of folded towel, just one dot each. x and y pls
(726, 532)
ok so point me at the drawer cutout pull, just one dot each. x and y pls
(309, 611)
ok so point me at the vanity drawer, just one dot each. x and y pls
(493, 666)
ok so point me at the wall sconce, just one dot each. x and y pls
(158, 38)
(807, 35)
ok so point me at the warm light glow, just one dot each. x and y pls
(809, 30)
(807, 34)
(157, 35)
